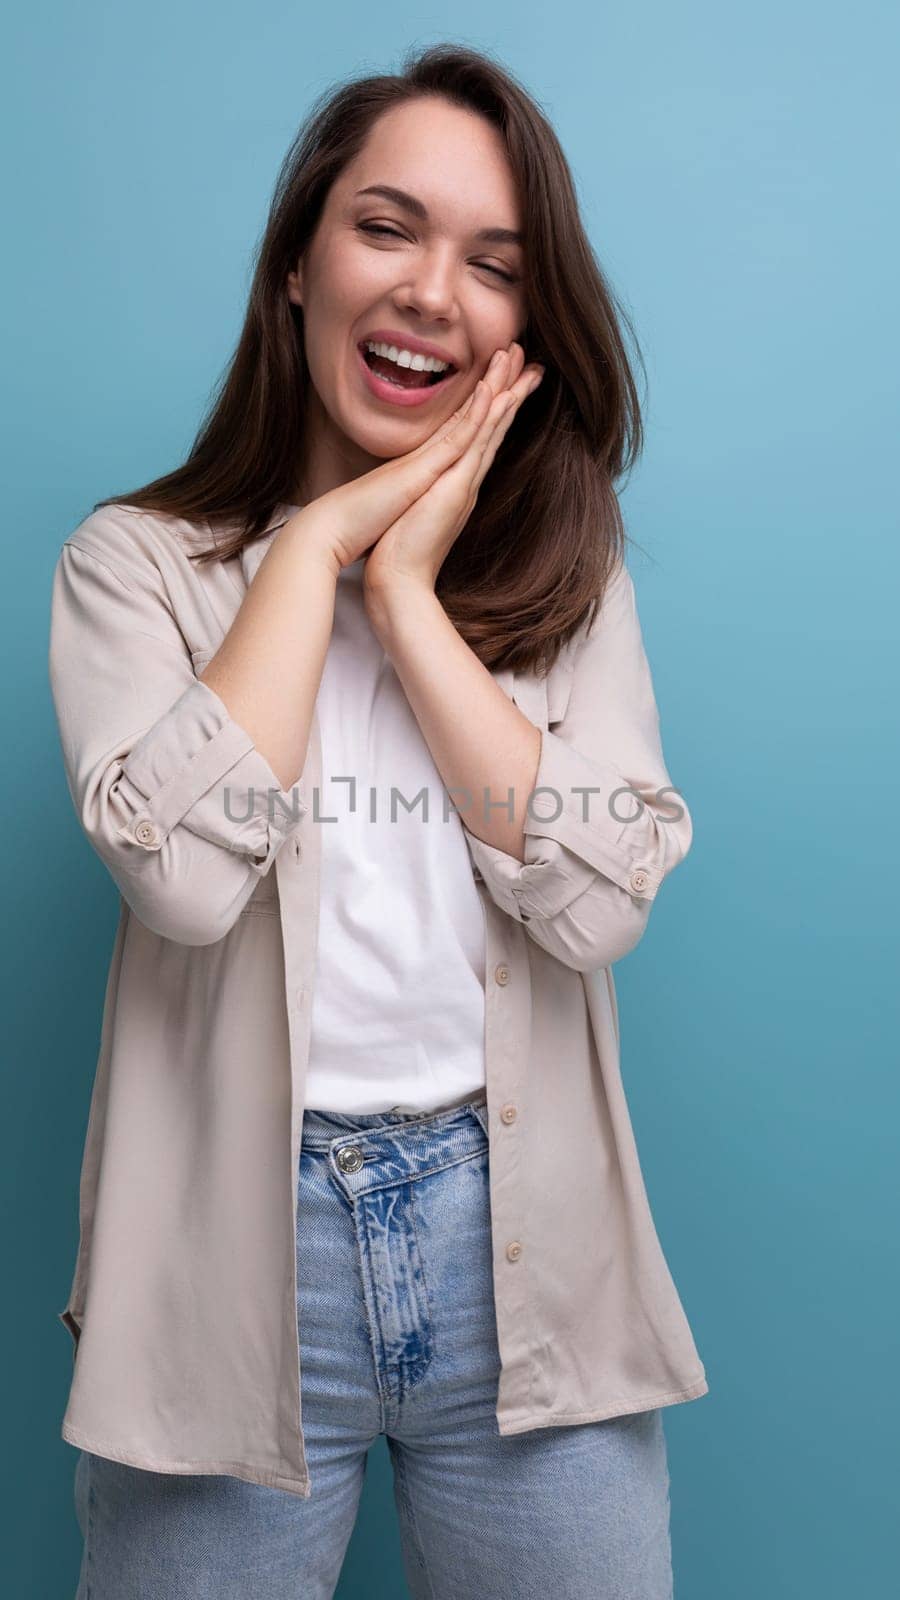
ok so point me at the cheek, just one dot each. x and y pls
(337, 313)
(497, 325)
(353, 282)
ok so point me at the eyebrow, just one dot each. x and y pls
(408, 202)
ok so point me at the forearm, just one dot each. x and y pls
(477, 738)
(268, 668)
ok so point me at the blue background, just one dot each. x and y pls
(737, 171)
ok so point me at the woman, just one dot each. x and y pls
(358, 1132)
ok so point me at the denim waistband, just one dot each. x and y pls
(321, 1127)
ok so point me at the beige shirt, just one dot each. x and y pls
(182, 1307)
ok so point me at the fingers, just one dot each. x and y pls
(503, 367)
(483, 406)
(462, 413)
(365, 507)
(498, 422)
(470, 428)
(492, 444)
(508, 400)
(512, 382)
(502, 371)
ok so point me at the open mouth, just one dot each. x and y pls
(403, 377)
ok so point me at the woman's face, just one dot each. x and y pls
(374, 265)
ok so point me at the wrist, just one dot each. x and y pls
(392, 604)
(310, 534)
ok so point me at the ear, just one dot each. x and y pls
(295, 284)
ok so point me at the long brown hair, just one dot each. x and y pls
(547, 531)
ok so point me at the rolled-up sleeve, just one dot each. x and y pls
(604, 824)
(171, 791)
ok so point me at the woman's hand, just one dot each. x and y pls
(415, 546)
(353, 518)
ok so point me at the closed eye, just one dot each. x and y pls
(378, 227)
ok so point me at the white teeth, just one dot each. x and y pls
(405, 358)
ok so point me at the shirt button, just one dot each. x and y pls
(508, 1113)
(501, 974)
(146, 833)
(639, 880)
(513, 1250)
(298, 849)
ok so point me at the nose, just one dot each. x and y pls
(430, 288)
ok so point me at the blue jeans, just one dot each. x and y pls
(397, 1337)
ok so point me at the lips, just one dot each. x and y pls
(407, 341)
(410, 377)
(390, 369)
(385, 389)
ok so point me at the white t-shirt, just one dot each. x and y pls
(398, 1004)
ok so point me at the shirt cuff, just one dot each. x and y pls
(592, 809)
(576, 825)
(540, 887)
(198, 767)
